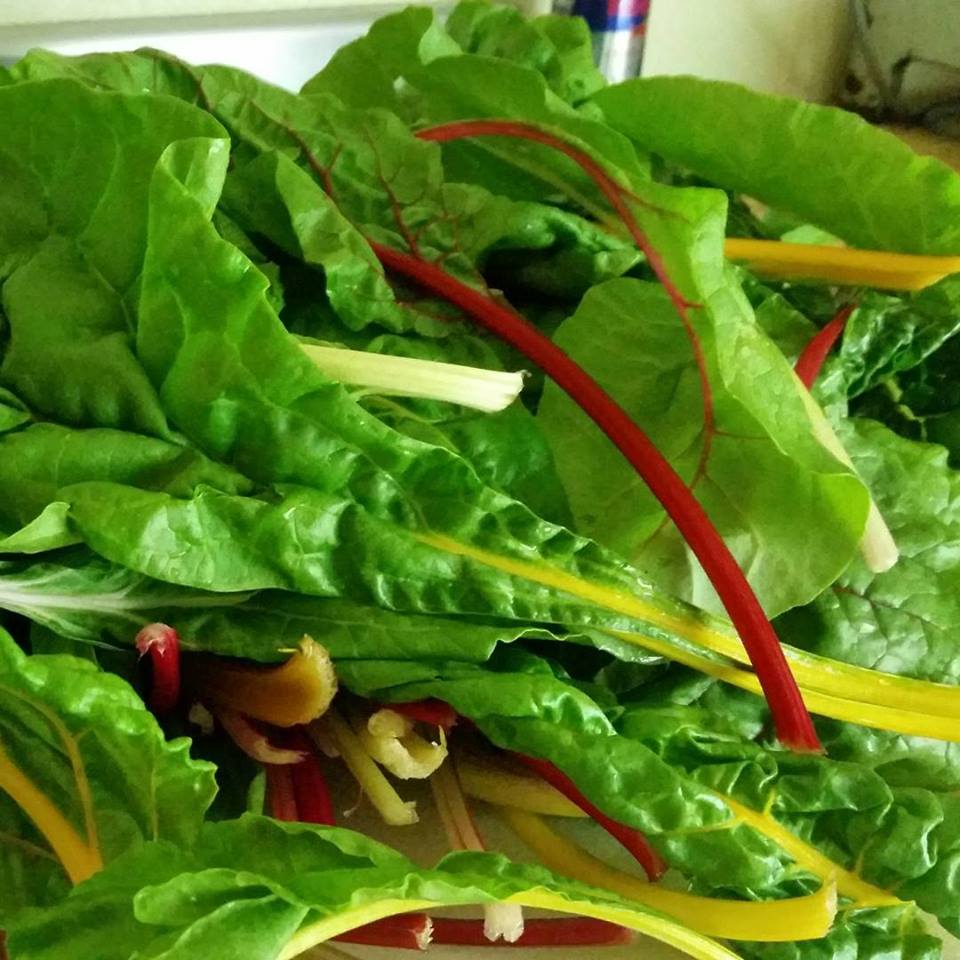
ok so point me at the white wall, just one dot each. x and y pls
(795, 47)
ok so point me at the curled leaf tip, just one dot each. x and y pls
(295, 692)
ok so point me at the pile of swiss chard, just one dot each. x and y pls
(440, 421)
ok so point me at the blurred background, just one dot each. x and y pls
(896, 61)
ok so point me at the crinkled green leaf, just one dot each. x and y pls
(558, 48)
(898, 837)
(902, 621)
(85, 740)
(248, 885)
(364, 73)
(918, 394)
(889, 335)
(889, 933)
(507, 449)
(84, 600)
(38, 461)
(274, 197)
(825, 165)
(923, 403)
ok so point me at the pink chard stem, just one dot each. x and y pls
(281, 801)
(630, 838)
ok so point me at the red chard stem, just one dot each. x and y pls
(793, 724)
(162, 645)
(280, 797)
(815, 353)
(537, 932)
(310, 789)
(436, 713)
(409, 931)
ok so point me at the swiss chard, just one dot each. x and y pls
(158, 409)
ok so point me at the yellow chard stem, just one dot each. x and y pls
(799, 918)
(659, 928)
(395, 811)
(291, 693)
(830, 688)
(494, 785)
(848, 883)
(843, 265)
(79, 859)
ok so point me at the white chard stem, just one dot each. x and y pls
(474, 387)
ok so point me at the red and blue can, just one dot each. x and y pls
(618, 28)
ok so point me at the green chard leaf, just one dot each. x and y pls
(13, 413)
(915, 389)
(558, 48)
(88, 767)
(72, 245)
(268, 889)
(140, 71)
(38, 461)
(275, 198)
(49, 530)
(825, 165)
(82, 598)
(899, 838)
(507, 449)
(736, 457)
(888, 336)
(364, 73)
(467, 87)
